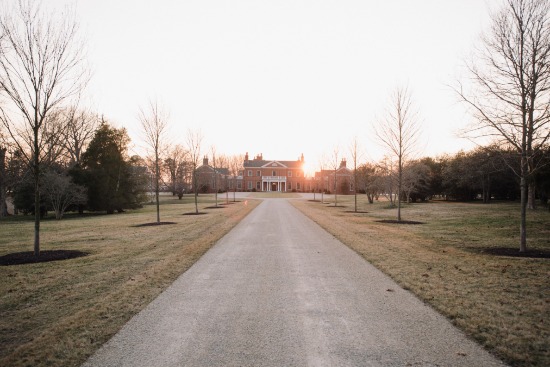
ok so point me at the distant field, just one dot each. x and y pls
(449, 261)
(57, 313)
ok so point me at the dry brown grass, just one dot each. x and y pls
(502, 302)
(58, 313)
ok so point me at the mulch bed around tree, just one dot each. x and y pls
(394, 221)
(19, 258)
(153, 224)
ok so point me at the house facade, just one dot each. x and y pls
(273, 175)
(339, 180)
(212, 179)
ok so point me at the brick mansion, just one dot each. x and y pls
(266, 175)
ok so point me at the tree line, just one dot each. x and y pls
(484, 174)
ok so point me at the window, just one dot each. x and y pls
(239, 185)
(290, 185)
(250, 185)
(289, 173)
(298, 186)
(258, 185)
(258, 173)
(249, 173)
(274, 173)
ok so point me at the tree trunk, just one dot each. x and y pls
(157, 179)
(524, 199)
(399, 181)
(531, 196)
(3, 189)
(36, 169)
(196, 190)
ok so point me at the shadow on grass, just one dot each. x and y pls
(194, 213)
(20, 258)
(512, 252)
(153, 224)
(395, 221)
(220, 206)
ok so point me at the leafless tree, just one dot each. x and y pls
(80, 127)
(154, 123)
(61, 192)
(175, 163)
(215, 176)
(322, 168)
(356, 156)
(399, 132)
(41, 66)
(194, 142)
(223, 162)
(235, 166)
(371, 180)
(334, 165)
(387, 171)
(510, 97)
(415, 174)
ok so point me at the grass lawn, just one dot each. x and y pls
(503, 302)
(57, 313)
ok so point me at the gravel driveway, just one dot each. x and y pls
(280, 291)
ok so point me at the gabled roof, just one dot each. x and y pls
(260, 163)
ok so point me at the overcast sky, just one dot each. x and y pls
(281, 77)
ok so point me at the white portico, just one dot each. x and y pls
(271, 175)
(273, 183)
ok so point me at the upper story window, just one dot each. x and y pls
(258, 173)
(274, 173)
(249, 173)
(289, 173)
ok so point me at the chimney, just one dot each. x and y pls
(205, 161)
(343, 163)
(246, 156)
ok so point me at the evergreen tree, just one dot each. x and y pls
(106, 173)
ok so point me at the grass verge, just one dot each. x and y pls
(58, 313)
(503, 302)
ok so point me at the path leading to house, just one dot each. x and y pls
(280, 291)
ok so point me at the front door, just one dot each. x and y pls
(274, 186)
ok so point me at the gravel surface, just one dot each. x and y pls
(280, 291)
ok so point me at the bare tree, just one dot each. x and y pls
(511, 94)
(223, 162)
(415, 175)
(175, 164)
(356, 156)
(387, 172)
(154, 123)
(41, 66)
(79, 131)
(61, 192)
(235, 166)
(215, 176)
(335, 164)
(194, 142)
(322, 168)
(399, 131)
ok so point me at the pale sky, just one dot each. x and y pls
(281, 77)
